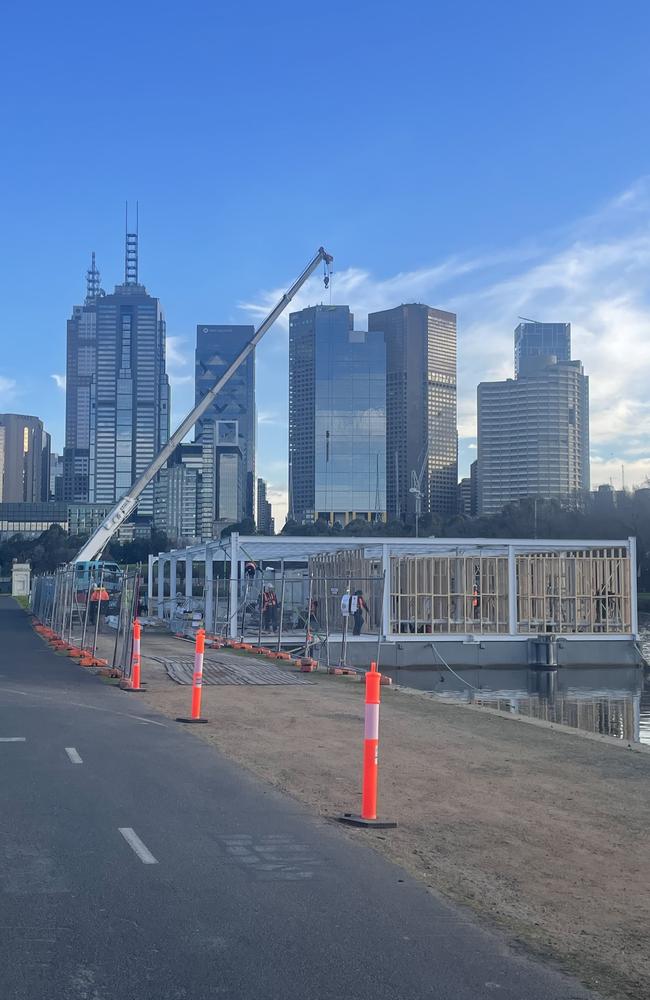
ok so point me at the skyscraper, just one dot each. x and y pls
(539, 340)
(80, 394)
(265, 523)
(216, 348)
(24, 459)
(421, 434)
(117, 392)
(337, 417)
(533, 432)
(177, 495)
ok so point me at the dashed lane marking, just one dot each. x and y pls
(134, 842)
(73, 755)
(12, 739)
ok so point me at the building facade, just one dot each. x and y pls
(216, 348)
(32, 519)
(421, 425)
(533, 435)
(337, 418)
(265, 522)
(24, 459)
(117, 390)
(467, 493)
(56, 477)
(539, 340)
(177, 495)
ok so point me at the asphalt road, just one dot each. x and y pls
(136, 863)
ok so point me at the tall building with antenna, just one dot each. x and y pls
(337, 418)
(80, 398)
(117, 389)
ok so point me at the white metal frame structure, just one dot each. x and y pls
(500, 560)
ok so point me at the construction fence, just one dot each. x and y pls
(79, 602)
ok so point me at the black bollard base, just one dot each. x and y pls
(189, 721)
(379, 824)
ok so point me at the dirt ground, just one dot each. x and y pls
(544, 832)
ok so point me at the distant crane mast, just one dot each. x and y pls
(98, 541)
(416, 490)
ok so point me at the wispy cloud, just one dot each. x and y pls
(178, 351)
(7, 390)
(59, 381)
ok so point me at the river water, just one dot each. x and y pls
(610, 700)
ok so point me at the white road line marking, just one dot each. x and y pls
(132, 839)
(12, 739)
(73, 755)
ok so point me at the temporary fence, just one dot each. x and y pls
(79, 603)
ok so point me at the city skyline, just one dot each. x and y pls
(572, 282)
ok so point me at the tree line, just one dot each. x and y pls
(600, 518)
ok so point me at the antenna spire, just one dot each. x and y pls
(131, 250)
(93, 286)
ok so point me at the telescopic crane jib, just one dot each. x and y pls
(97, 542)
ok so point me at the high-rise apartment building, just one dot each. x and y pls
(533, 434)
(216, 348)
(265, 522)
(337, 417)
(117, 391)
(421, 431)
(24, 459)
(541, 340)
(177, 495)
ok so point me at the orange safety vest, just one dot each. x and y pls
(99, 595)
(269, 599)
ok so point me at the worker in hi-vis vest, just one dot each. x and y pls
(270, 608)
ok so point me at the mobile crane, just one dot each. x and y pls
(100, 538)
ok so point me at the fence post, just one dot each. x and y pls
(368, 815)
(197, 680)
(281, 614)
(308, 635)
(344, 634)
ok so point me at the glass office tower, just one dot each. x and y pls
(337, 418)
(421, 426)
(216, 348)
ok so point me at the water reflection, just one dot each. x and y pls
(612, 700)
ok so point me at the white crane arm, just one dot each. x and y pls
(100, 538)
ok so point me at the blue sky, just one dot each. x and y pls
(489, 158)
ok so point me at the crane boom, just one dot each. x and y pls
(95, 545)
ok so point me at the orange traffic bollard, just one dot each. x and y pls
(197, 680)
(368, 815)
(133, 683)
